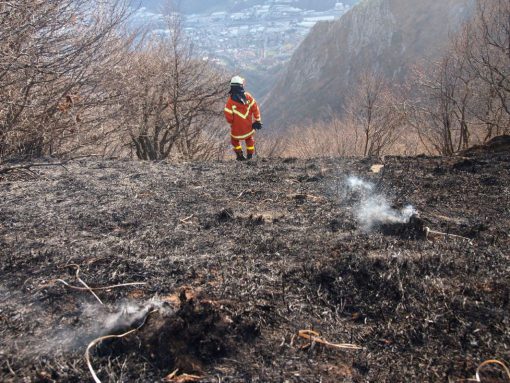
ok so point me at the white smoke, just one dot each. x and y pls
(358, 184)
(122, 316)
(92, 321)
(374, 208)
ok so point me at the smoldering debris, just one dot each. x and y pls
(90, 321)
(373, 209)
(127, 315)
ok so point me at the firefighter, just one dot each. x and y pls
(243, 115)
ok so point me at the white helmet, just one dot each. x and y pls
(237, 80)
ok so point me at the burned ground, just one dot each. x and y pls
(238, 257)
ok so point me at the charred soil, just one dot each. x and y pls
(239, 257)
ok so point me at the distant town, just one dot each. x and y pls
(261, 36)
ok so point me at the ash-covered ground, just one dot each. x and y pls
(239, 257)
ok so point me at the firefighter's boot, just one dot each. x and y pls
(240, 156)
(249, 156)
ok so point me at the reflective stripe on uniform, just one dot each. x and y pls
(250, 148)
(242, 137)
(238, 147)
(229, 111)
(243, 116)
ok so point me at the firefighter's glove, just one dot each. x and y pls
(257, 125)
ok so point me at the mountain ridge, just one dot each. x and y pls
(385, 36)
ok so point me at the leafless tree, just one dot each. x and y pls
(440, 110)
(54, 57)
(334, 137)
(172, 99)
(464, 98)
(486, 48)
(369, 126)
(373, 111)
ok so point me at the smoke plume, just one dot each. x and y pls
(91, 321)
(373, 208)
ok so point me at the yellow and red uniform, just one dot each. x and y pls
(241, 117)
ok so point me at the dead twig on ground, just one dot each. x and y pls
(99, 288)
(303, 197)
(92, 289)
(77, 275)
(29, 165)
(183, 378)
(185, 220)
(10, 368)
(315, 337)
(102, 338)
(483, 364)
(242, 193)
(13, 168)
(432, 234)
(488, 362)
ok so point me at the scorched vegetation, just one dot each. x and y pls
(256, 272)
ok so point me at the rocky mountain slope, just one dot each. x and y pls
(376, 35)
(237, 259)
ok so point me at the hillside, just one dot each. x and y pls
(386, 36)
(238, 258)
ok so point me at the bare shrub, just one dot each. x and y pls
(461, 99)
(464, 97)
(370, 125)
(72, 81)
(272, 146)
(172, 100)
(322, 139)
(375, 115)
(55, 58)
(440, 109)
(485, 44)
